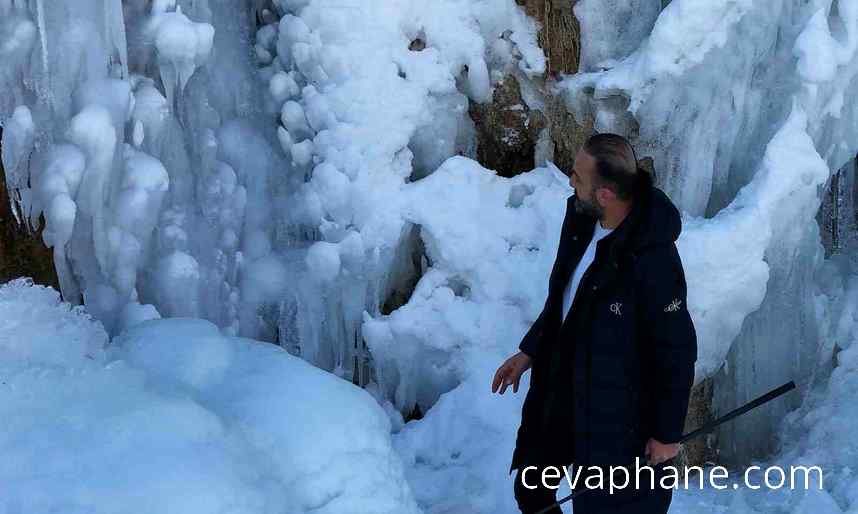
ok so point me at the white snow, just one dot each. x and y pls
(323, 261)
(605, 40)
(18, 35)
(729, 257)
(282, 86)
(178, 275)
(287, 186)
(285, 139)
(294, 120)
(334, 189)
(819, 433)
(361, 114)
(486, 283)
(93, 132)
(265, 279)
(175, 417)
(733, 244)
(741, 105)
(302, 153)
(135, 313)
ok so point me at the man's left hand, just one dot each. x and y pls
(658, 452)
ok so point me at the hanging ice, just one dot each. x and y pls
(181, 45)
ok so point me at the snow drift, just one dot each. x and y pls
(174, 417)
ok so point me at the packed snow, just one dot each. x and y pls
(486, 278)
(173, 416)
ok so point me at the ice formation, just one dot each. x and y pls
(359, 157)
(289, 170)
(482, 276)
(750, 192)
(181, 45)
(743, 113)
(244, 199)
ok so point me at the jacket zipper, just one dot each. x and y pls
(576, 297)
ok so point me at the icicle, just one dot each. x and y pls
(43, 35)
(18, 139)
(181, 45)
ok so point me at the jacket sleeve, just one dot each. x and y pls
(531, 341)
(672, 348)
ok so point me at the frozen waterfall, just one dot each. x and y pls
(301, 172)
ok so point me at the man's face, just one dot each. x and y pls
(581, 177)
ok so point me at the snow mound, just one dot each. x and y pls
(176, 418)
(32, 317)
(491, 242)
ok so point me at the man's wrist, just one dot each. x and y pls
(528, 353)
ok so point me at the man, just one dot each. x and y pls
(613, 351)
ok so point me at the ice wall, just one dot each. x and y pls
(150, 159)
(742, 105)
(238, 161)
(372, 96)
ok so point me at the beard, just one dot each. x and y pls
(589, 208)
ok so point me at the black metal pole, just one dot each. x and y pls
(771, 395)
(753, 404)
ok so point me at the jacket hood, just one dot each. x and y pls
(658, 220)
(654, 220)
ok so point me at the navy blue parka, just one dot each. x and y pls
(620, 367)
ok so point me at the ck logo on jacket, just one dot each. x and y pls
(674, 306)
(616, 308)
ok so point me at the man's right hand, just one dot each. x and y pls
(510, 372)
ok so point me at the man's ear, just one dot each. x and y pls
(605, 196)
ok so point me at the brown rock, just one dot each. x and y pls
(559, 35)
(507, 130)
(568, 134)
(699, 450)
(22, 252)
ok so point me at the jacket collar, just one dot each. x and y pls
(653, 220)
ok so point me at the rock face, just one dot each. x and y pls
(507, 130)
(701, 449)
(560, 34)
(518, 129)
(838, 215)
(22, 253)
(408, 266)
(566, 132)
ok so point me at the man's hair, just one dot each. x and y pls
(616, 165)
